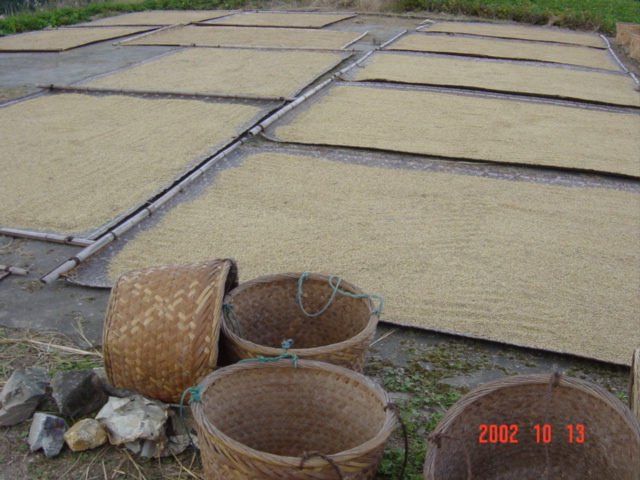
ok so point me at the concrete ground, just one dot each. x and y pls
(78, 312)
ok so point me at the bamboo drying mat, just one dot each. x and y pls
(512, 49)
(63, 38)
(502, 76)
(280, 19)
(543, 266)
(233, 71)
(248, 37)
(161, 17)
(72, 162)
(519, 32)
(474, 127)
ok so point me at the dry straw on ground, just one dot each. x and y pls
(543, 52)
(63, 38)
(520, 32)
(278, 19)
(72, 162)
(471, 127)
(500, 76)
(233, 71)
(161, 17)
(248, 36)
(549, 267)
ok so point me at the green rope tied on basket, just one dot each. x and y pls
(336, 289)
(230, 319)
(195, 397)
(286, 345)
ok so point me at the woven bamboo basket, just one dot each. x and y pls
(266, 312)
(634, 384)
(279, 420)
(565, 428)
(162, 327)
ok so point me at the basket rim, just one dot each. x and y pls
(515, 381)
(364, 335)
(389, 425)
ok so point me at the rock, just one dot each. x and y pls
(78, 392)
(47, 433)
(85, 435)
(174, 441)
(129, 419)
(21, 395)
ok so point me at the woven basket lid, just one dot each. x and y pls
(163, 325)
(536, 426)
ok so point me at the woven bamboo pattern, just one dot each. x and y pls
(268, 313)
(634, 384)
(608, 447)
(280, 19)
(162, 327)
(257, 420)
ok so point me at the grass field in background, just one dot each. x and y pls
(593, 15)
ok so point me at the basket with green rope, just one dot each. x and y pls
(287, 418)
(327, 318)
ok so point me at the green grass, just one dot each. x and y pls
(594, 15)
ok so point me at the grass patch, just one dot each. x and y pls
(45, 17)
(593, 15)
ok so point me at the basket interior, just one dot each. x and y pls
(269, 313)
(288, 412)
(611, 447)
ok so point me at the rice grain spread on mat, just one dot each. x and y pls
(277, 19)
(508, 77)
(248, 36)
(471, 127)
(549, 267)
(542, 52)
(220, 70)
(63, 38)
(519, 32)
(72, 162)
(162, 17)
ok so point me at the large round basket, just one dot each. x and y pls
(162, 327)
(284, 420)
(539, 427)
(269, 310)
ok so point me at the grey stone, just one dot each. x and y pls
(134, 418)
(22, 394)
(85, 435)
(78, 392)
(47, 433)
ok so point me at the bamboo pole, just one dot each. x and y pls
(144, 34)
(72, 88)
(390, 41)
(287, 108)
(47, 237)
(634, 384)
(354, 41)
(14, 270)
(618, 61)
(134, 220)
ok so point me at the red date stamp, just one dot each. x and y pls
(543, 433)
